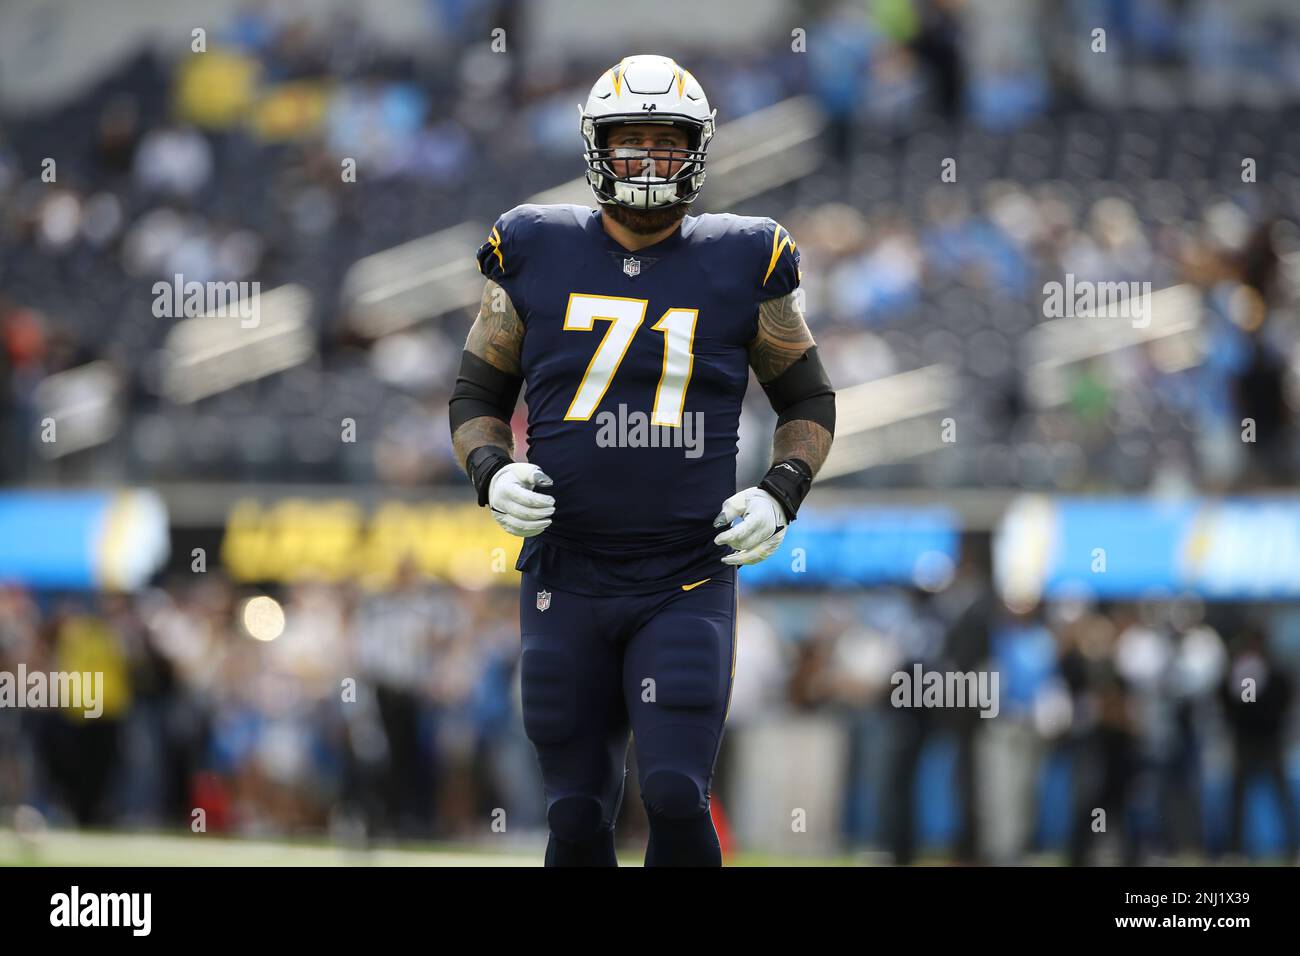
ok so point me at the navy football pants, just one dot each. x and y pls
(658, 665)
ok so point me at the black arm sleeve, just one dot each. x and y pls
(803, 392)
(482, 390)
(800, 393)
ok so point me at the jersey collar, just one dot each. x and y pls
(659, 249)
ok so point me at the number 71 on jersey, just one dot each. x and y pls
(625, 317)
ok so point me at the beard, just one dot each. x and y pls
(645, 222)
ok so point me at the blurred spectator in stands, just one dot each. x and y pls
(916, 638)
(959, 241)
(117, 136)
(20, 643)
(938, 45)
(58, 221)
(504, 765)
(1024, 657)
(80, 753)
(884, 280)
(441, 152)
(746, 82)
(857, 682)
(1112, 248)
(1260, 394)
(1102, 737)
(845, 42)
(394, 645)
(1262, 389)
(1006, 66)
(375, 123)
(971, 603)
(1256, 698)
(1193, 681)
(173, 161)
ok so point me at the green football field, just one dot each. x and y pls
(66, 848)
(102, 848)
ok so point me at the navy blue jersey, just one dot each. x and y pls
(635, 366)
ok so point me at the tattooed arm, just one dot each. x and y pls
(479, 411)
(782, 340)
(497, 338)
(784, 357)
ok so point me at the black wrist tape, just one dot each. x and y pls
(484, 462)
(788, 482)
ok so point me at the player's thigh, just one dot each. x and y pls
(570, 682)
(677, 677)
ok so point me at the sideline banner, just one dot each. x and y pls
(1129, 548)
(336, 539)
(82, 540)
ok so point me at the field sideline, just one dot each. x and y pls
(98, 848)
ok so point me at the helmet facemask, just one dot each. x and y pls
(642, 188)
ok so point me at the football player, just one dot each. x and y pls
(633, 327)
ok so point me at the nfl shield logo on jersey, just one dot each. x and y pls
(543, 600)
(632, 267)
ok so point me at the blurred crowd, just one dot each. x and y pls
(1171, 157)
(959, 281)
(390, 714)
(1173, 718)
(395, 716)
(231, 166)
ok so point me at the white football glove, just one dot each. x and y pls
(515, 506)
(761, 530)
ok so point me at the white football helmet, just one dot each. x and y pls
(647, 89)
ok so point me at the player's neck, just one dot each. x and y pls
(634, 241)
